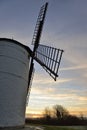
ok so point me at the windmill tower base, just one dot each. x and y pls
(20, 128)
(13, 128)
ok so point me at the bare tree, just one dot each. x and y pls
(47, 113)
(60, 111)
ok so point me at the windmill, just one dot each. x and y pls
(48, 57)
(17, 69)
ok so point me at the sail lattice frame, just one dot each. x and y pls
(39, 25)
(49, 58)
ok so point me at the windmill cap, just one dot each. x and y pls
(18, 43)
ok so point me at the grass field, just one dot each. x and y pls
(65, 128)
(46, 127)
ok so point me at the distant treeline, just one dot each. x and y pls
(70, 120)
(58, 116)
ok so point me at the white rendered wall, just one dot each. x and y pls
(14, 68)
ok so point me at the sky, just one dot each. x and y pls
(65, 28)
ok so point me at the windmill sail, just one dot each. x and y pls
(39, 25)
(49, 58)
(36, 38)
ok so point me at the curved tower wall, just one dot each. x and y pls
(14, 69)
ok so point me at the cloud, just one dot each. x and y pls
(75, 104)
(74, 68)
(39, 78)
(32, 113)
(57, 96)
(79, 112)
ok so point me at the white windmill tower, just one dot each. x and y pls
(16, 71)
